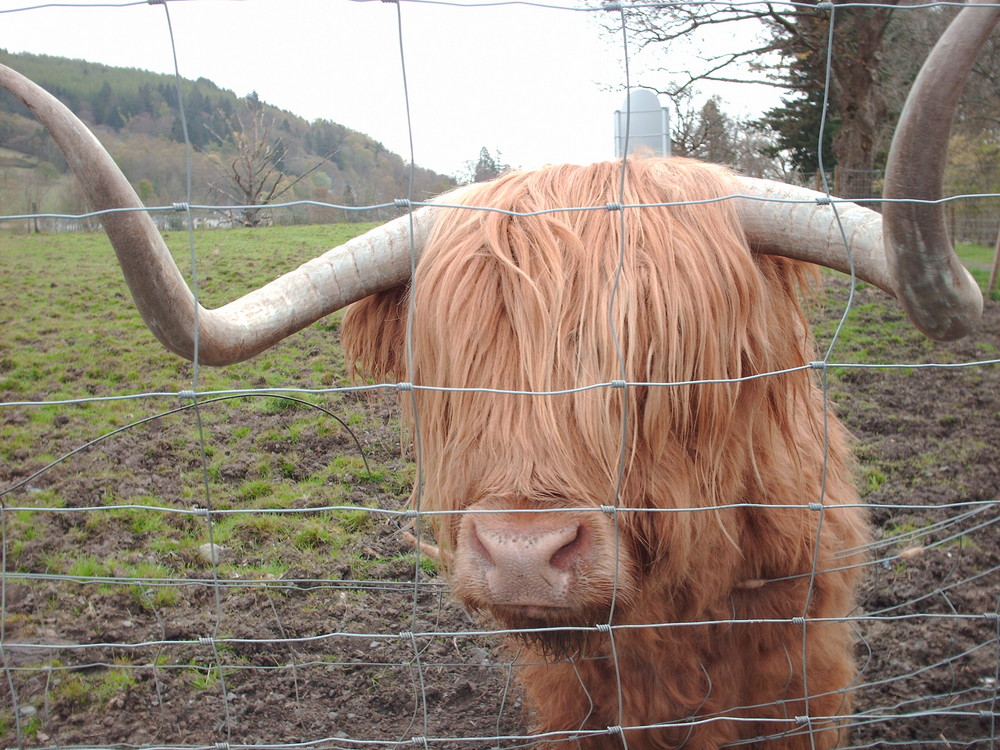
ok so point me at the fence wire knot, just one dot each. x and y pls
(608, 509)
(817, 365)
(404, 386)
(616, 730)
(612, 6)
(422, 741)
(156, 2)
(815, 506)
(618, 383)
(206, 640)
(218, 745)
(603, 627)
(798, 621)
(992, 616)
(801, 719)
(401, 202)
(179, 207)
(824, 200)
(187, 395)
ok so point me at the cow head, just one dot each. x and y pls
(521, 300)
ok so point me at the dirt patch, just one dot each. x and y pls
(359, 641)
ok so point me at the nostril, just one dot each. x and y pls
(570, 553)
(479, 548)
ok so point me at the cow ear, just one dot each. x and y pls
(373, 334)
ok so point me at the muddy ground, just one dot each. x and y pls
(107, 663)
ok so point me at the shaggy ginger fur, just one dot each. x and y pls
(525, 303)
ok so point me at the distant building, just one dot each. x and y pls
(645, 123)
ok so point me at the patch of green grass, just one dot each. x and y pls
(287, 467)
(314, 534)
(151, 594)
(239, 433)
(22, 524)
(31, 727)
(354, 521)
(427, 564)
(900, 529)
(98, 340)
(254, 531)
(272, 436)
(280, 405)
(271, 570)
(88, 567)
(963, 542)
(254, 490)
(138, 522)
(73, 688)
(166, 546)
(112, 683)
(301, 428)
(969, 252)
(202, 678)
(873, 479)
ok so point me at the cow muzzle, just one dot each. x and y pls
(530, 567)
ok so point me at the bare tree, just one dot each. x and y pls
(37, 184)
(789, 50)
(703, 132)
(252, 176)
(707, 132)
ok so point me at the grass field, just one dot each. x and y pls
(72, 332)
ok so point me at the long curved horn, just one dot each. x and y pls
(938, 293)
(375, 261)
(907, 251)
(799, 223)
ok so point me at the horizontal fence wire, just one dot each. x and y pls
(165, 584)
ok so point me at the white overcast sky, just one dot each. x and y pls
(539, 84)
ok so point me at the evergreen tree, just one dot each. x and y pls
(488, 167)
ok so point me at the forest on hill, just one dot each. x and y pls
(135, 114)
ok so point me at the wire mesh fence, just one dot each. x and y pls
(229, 558)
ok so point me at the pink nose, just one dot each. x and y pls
(526, 560)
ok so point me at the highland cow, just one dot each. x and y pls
(618, 404)
(774, 533)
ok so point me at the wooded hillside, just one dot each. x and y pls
(135, 114)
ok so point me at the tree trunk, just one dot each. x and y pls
(858, 35)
